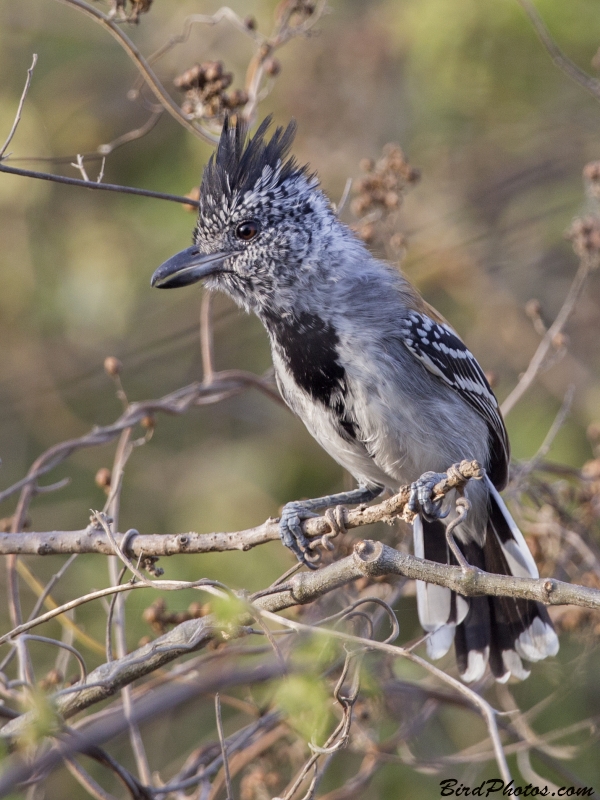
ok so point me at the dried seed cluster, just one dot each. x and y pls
(379, 194)
(205, 96)
(258, 781)
(584, 233)
(567, 517)
(137, 7)
(591, 177)
(158, 617)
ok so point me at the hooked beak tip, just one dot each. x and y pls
(187, 267)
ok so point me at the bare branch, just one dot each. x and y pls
(223, 747)
(105, 729)
(283, 33)
(224, 384)
(468, 582)
(78, 164)
(92, 540)
(486, 710)
(206, 338)
(558, 57)
(104, 187)
(103, 150)
(83, 777)
(537, 363)
(369, 559)
(144, 68)
(20, 107)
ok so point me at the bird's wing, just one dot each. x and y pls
(441, 352)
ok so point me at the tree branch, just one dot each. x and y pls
(144, 68)
(558, 57)
(538, 360)
(17, 119)
(93, 539)
(224, 384)
(103, 187)
(369, 559)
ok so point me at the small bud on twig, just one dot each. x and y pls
(103, 478)
(584, 233)
(112, 366)
(148, 422)
(272, 67)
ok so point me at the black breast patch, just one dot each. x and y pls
(308, 346)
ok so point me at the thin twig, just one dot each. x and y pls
(102, 150)
(206, 338)
(486, 710)
(228, 384)
(558, 57)
(104, 187)
(63, 646)
(538, 361)
(20, 107)
(117, 611)
(109, 618)
(202, 584)
(171, 696)
(223, 746)
(528, 467)
(142, 65)
(78, 164)
(85, 779)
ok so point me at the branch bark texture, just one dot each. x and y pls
(369, 559)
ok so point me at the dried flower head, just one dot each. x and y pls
(205, 96)
(378, 196)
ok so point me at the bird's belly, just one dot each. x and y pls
(396, 439)
(324, 426)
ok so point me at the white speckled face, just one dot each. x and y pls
(262, 212)
(281, 217)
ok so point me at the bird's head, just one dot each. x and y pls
(260, 223)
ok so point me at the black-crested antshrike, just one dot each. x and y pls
(379, 379)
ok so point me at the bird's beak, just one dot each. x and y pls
(189, 266)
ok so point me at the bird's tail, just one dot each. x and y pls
(500, 631)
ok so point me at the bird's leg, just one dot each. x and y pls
(290, 524)
(421, 501)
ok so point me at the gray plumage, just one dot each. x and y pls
(384, 385)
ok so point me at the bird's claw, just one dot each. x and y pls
(292, 535)
(421, 497)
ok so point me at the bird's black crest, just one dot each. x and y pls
(239, 162)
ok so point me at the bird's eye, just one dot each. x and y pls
(247, 230)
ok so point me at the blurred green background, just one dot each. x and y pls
(501, 137)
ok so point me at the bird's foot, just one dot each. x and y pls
(293, 514)
(421, 497)
(292, 535)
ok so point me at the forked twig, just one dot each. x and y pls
(142, 65)
(103, 187)
(485, 709)
(536, 365)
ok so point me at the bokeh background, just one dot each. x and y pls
(500, 136)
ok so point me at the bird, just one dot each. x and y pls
(381, 381)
